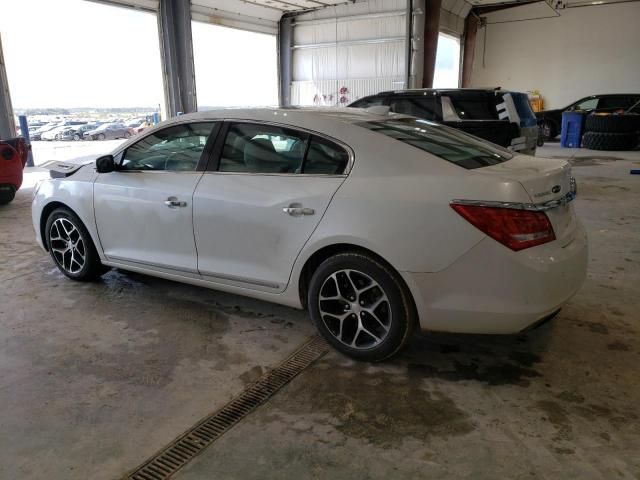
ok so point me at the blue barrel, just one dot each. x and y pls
(571, 132)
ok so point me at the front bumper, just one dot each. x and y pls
(492, 289)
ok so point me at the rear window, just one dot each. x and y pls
(447, 143)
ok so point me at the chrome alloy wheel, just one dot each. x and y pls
(67, 245)
(355, 309)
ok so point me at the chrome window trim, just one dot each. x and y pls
(532, 207)
(340, 143)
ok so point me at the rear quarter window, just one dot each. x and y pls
(474, 106)
(426, 107)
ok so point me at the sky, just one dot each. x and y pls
(76, 53)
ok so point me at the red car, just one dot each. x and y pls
(13, 157)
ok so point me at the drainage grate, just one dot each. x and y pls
(180, 452)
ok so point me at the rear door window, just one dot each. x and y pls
(325, 157)
(423, 106)
(257, 148)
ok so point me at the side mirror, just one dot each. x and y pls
(105, 164)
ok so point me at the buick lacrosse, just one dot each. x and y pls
(377, 224)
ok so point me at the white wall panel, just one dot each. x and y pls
(332, 93)
(584, 51)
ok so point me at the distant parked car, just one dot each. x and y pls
(54, 133)
(77, 132)
(37, 133)
(551, 120)
(109, 131)
(135, 123)
(502, 117)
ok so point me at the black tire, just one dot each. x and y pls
(609, 141)
(7, 193)
(91, 268)
(76, 137)
(101, 136)
(386, 292)
(612, 123)
(127, 134)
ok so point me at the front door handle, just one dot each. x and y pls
(297, 210)
(173, 202)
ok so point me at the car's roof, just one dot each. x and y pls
(426, 91)
(285, 115)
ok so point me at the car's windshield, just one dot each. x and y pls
(447, 143)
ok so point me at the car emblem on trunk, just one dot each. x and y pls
(555, 189)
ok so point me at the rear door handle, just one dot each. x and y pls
(297, 210)
(173, 202)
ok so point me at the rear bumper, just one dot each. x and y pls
(493, 290)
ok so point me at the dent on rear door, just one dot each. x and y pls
(243, 235)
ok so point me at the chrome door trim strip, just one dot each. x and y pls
(150, 264)
(210, 275)
(532, 207)
(233, 278)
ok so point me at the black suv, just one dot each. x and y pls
(500, 116)
(550, 121)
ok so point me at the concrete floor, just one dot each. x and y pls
(94, 378)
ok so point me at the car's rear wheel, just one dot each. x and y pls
(127, 134)
(361, 306)
(71, 247)
(76, 137)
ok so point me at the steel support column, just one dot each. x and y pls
(176, 52)
(7, 123)
(469, 50)
(285, 72)
(431, 32)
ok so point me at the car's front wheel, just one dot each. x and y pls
(76, 137)
(71, 247)
(361, 306)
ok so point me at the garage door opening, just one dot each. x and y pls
(234, 67)
(447, 72)
(91, 56)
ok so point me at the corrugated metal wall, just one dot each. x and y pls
(343, 53)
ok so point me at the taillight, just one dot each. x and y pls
(516, 229)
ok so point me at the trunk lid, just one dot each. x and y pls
(544, 180)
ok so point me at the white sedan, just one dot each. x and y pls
(377, 224)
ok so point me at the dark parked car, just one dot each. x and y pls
(502, 117)
(551, 120)
(76, 132)
(109, 131)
